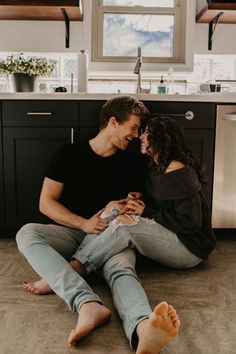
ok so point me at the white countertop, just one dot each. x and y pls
(221, 97)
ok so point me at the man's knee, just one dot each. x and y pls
(25, 235)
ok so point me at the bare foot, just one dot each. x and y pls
(157, 331)
(39, 287)
(78, 267)
(91, 315)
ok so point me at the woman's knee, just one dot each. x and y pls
(121, 264)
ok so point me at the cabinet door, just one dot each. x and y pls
(89, 119)
(27, 152)
(199, 131)
(2, 211)
(89, 112)
(201, 143)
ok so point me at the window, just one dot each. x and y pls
(157, 26)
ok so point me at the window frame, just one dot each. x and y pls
(179, 38)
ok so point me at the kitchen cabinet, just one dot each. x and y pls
(198, 122)
(2, 210)
(199, 129)
(32, 132)
(89, 118)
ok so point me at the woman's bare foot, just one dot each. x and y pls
(91, 315)
(157, 331)
(78, 267)
(39, 287)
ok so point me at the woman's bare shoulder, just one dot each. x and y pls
(175, 165)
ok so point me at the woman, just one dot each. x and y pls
(172, 224)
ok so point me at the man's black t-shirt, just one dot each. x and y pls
(91, 181)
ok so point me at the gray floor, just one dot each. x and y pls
(204, 298)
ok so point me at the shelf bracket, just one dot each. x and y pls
(67, 27)
(212, 27)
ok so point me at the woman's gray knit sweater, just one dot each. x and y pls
(175, 200)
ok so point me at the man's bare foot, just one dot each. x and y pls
(157, 331)
(91, 315)
(78, 267)
(39, 287)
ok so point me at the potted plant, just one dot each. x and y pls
(25, 70)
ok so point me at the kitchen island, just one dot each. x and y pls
(34, 125)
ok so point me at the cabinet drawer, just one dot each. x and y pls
(204, 113)
(39, 113)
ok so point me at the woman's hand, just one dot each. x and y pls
(135, 195)
(119, 204)
(134, 206)
(124, 219)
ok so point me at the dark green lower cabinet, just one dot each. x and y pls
(33, 131)
(201, 142)
(27, 152)
(2, 209)
(198, 121)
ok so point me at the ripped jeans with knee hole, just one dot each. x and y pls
(145, 235)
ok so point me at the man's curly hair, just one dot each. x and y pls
(166, 142)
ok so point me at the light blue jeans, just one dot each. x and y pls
(147, 236)
(49, 248)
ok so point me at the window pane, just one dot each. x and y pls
(145, 3)
(123, 34)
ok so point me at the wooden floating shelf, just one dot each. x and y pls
(211, 10)
(41, 10)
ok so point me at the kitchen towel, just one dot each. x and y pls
(83, 71)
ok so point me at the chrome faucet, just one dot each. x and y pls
(137, 70)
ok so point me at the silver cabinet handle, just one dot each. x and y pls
(72, 135)
(231, 117)
(189, 115)
(39, 113)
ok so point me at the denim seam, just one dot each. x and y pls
(86, 261)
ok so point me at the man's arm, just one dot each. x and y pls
(49, 205)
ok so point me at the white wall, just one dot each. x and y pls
(45, 36)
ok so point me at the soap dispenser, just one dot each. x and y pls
(161, 87)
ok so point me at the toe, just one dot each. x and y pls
(171, 311)
(176, 323)
(161, 309)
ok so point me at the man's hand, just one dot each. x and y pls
(94, 225)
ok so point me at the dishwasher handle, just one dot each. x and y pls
(231, 117)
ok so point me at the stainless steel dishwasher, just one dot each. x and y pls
(224, 187)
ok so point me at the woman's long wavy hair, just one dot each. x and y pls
(166, 142)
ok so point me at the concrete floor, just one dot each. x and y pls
(204, 298)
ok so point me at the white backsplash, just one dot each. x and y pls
(206, 68)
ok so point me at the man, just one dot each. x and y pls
(80, 181)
